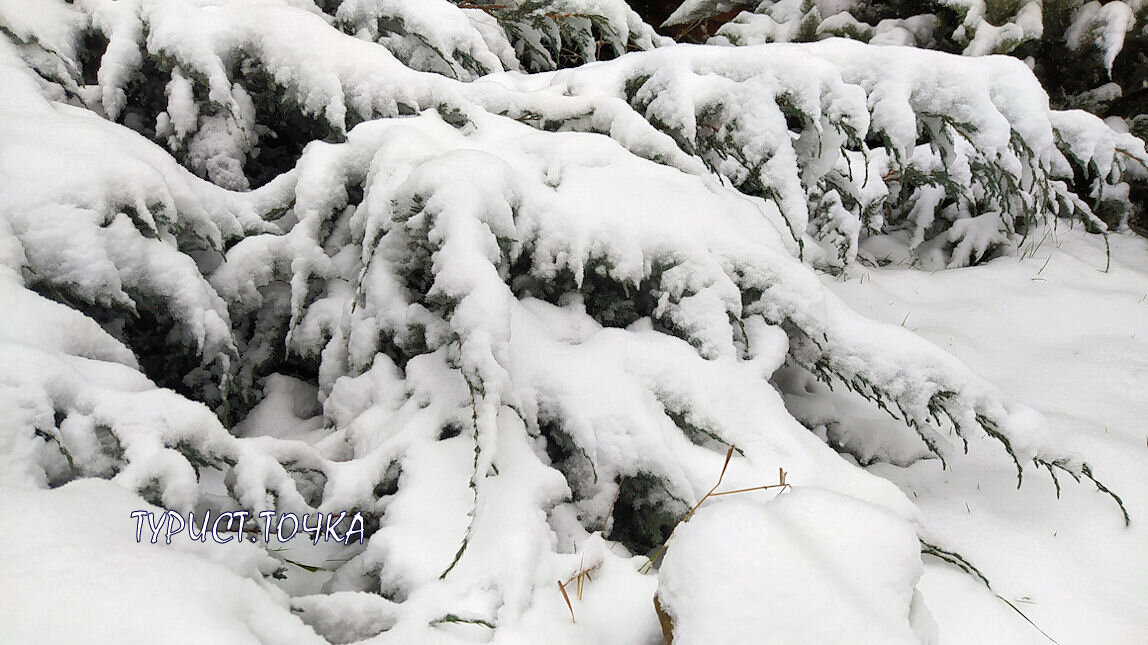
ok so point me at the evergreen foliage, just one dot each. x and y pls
(510, 299)
(1087, 55)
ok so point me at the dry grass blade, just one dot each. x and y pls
(566, 597)
(578, 578)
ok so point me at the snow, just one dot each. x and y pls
(445, 35)
(54, 24)
(516, 321)
(986, 38)
(743, 571)
(793, 20)
(1059, 332)
(79, 563)
(694, 10)
(288, 410)
(1109, 21)
(843, 91)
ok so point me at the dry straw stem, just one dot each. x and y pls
(583, 574)
(580, 576)
(713, 493)
(666, 622)
(579, 580)
(566, 597)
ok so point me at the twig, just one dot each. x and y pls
(712, 493)
(749, 490)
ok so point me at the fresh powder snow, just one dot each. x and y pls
(363, 321)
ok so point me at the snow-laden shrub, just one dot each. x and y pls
(847, 147)
(1097, 30)
(1087, 55)
(235, 90)
(470, 315)
(955, 157)
(465, 40)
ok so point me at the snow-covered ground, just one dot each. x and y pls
(1058, 333)
(1052, 329)
(515, 321)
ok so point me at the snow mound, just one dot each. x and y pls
(745, 571)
